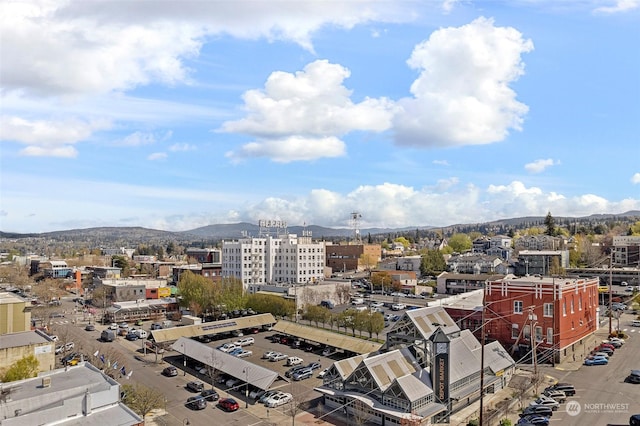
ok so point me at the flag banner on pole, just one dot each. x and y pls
(129, 375)
(102, 358)
(96, 352)
(123, 371)
(115, 365)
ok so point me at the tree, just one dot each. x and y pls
(460, 243)
(192, 291)
(23, 368)
(550, 223)
(142, 399)
(374, 323)
(360, 412)
(343, 293)
(432, 263)
(121, 262)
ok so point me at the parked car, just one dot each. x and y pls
(278, 357)
(607, 345)
(196, 403)
(245, 341)
(540, 410)
(68, 346)
(90, 327)
(195, 386)
(323, 373)
(547, 402)
(210, 395)
(534, 420)
(290, 372)
(314, 365)
(268, 394)
(228, 404)
(131, 336)
(235, 351)
(268, 354)
(170, 371)
(59, 349)
(633, 377)
(604, 349)
(304, 373)
(294, 360)
(278, 399)
(398, 306)
(228, 347)
(156, 326)
(376, 304)
(558, 395)
(113, 326)
(634, 420)
(615, 343)
(328, 351)
(567, 388)
(243, 353)
(596, 360)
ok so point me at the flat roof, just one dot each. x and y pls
(326, 337)
(254, 374)
(174, 333)
(7, 297)
(24, 338)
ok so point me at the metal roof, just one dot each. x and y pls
(427, 320)
(254, 374)
(326, 337)
(23, 338)
(174, 333)
(385, 367)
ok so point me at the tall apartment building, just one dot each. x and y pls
(553, 313)
(286, 259)
(626, 250)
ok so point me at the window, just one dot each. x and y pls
(517, 306)
(538, 334)
(550, 335)
(580, 304)
(527, 331)
(564, 308)
(572, 305)
(548, 310)
(514, 331)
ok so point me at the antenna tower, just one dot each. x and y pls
(355, 225)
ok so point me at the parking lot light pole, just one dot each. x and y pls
(246, 387)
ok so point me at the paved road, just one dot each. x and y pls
(603, 396)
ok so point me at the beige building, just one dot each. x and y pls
(15, 313)
(15, 346)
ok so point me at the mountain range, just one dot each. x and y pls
(238, 230)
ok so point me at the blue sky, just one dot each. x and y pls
(179, 114)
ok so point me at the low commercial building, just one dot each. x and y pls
(73, 396)
(16, 346)
(15, 313)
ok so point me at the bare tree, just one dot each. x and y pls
(343, 293)
(360, 412)
(142, 399)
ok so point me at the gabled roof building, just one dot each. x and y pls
(428, 369)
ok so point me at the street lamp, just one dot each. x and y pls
(184, 360)
(246, 387)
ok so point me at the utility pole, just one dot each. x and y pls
(482, 320)
(610, 291)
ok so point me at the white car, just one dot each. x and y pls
(113, 326)
(268, 354)
(228, 347)
(278, 357)
(323, 373)
(245, 341)
(376, 304)
(278, 399)
(69, 346)
(547, 402)
(294, 360)
(398, 306)
(244, 354)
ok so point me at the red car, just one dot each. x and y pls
(608, 345)
(228, 404)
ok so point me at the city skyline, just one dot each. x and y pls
(176, 115)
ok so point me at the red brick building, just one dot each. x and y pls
(553, 314)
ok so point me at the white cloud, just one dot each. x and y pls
(619, 6)
(635, 179)
(49, 137)
(441, 162)
(137, 139)
(177, 147)
(462, 96)
(157, 156)
(310, 107)
(290, 149)
(540, 165)
(77, 46)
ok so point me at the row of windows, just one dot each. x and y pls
(518, 305)
(526, 333)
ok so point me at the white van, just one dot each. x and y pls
(357, 301)
(635, 323)
(142, 334)
(294, 360)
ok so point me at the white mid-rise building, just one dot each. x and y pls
(287, 259)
